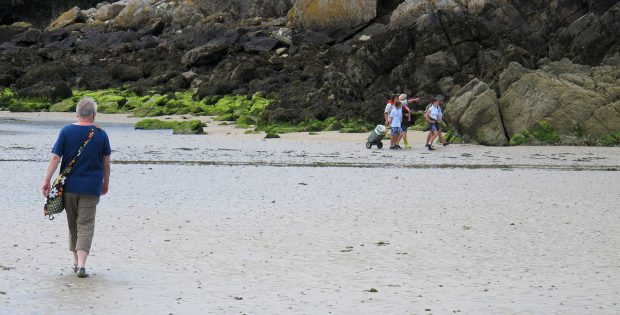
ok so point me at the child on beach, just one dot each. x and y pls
(395, 122)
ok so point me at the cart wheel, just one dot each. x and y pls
(368, 145)
(380, 145)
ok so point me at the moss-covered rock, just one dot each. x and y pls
(568, 96)
(108, 108)
(66, 105)
(133, 102)
(154, 124)
(194, 126)
(110, 100)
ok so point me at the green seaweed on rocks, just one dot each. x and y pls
(522, 138)
(243, 111)
(541, 134)
(314, 125)
(451, 135)
(355, 126)
(419, 122)
(110, 101)
(237, 108)
(272, 136)
(193, 126)
(6, 96)
(610, 140)
(11, 102)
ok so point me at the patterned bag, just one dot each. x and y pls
(55, 202)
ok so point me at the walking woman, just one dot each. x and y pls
(88, 179)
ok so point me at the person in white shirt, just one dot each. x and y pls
(395, 121)
(434, 115)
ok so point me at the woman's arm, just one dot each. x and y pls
(106, 174)
(51, 168)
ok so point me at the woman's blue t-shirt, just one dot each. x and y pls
(86, 177)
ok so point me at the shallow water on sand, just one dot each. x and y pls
(202, 235)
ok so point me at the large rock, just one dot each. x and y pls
(332, 16)
(135, 15)
(67, 105)
(245, 8)
(284, 35)
(474, 112)
(510, 75)
(565, 95)
(53, 36)
(260, 44)
(408, 12)
(28, 37)
(7, 32)
(73, 15)
(207, 54)
(604, 120)
(109, 11)
(63, 44)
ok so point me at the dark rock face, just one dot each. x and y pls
(8, 32)
(53, 91)
(316, 66)
(38, 12)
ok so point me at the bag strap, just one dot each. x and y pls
(69, 166)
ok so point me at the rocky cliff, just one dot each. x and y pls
(507, 66)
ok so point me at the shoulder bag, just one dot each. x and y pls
(54, 203)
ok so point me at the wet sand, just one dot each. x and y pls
(227, 223)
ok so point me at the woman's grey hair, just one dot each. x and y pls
(86, 107)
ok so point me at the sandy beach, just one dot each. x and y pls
(229, 223)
